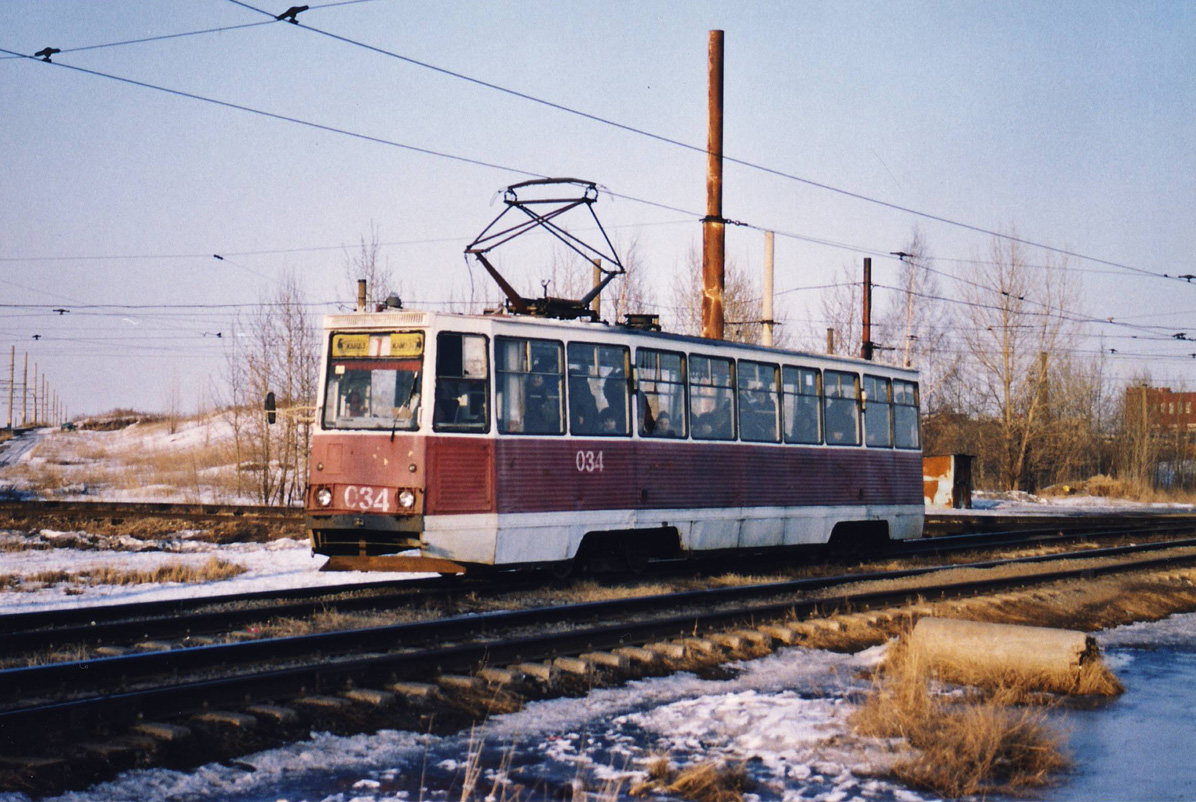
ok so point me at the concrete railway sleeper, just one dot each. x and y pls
(165, 721)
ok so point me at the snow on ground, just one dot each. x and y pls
(784, 717)
(279, 564)
(185, 461)
(1019, 502)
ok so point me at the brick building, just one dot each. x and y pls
(1160, 407)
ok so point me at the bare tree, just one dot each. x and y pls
(571, 276)
(1139, 452)
(917, 325)
(742, 307)
(842, 313)
(1017, 328)
(275, 349)
(368, 263)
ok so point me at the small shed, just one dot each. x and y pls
(947, 481)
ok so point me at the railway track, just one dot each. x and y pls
(182, 623)
(111, 511)
(74, 711)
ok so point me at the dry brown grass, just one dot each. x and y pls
(577, 592)
(212, 570)
(149, 467)
(709, 781)
(961, 744)
(333, 620)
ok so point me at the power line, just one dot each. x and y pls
(160, 38)
(478, 162)
(557, 106)
(283, 251)
(698, 149)
(184, 34)
(286, 118)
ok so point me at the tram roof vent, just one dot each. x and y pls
(642, 322)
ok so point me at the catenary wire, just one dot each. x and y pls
(698, 149)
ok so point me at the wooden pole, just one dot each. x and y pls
(596, 304)
(713, 225)
(830, 341)
(866, 345)
(24, 389)
(769, 255)
(12, 378)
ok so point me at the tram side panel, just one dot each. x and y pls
(462, 522)
(549, 493)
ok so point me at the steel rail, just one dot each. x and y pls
(135, 509)
(280, 684)
(424, 647)
(128, 623)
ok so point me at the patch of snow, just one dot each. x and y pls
(784, 717)
(1175, 630)
(1017, 502)
(277, 565)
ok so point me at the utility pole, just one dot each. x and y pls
(909, 305)
(24, 389)
(769, 254)
(45, 400)
(713, 224)
(866, 345)
(34, 394)
(596, 304)
(12, 376)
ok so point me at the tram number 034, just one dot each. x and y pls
(367, 499)
(589, 461)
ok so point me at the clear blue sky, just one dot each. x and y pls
(1073, 121)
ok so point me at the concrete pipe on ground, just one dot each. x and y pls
(974, 650)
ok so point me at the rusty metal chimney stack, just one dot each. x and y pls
(361, 295)
(713, 225)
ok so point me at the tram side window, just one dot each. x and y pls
(842, 408)
(905, 415)
(462, 376)
(712, 398)
(598, 389)
(528, 395)
(661, 377)
(803, 405)
(758, 407)
(878, 411)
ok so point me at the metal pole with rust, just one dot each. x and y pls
(713, 225)
(12, 384)
(866, 345)
(596, 304)
(769, 253)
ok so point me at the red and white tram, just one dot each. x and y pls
(509, 441)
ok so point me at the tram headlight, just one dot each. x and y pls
(406, 499)
(323, 497)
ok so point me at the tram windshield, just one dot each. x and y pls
(374, 381)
